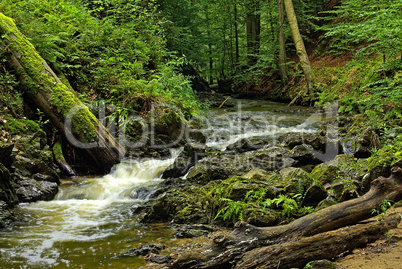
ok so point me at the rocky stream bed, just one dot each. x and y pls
(254, 153)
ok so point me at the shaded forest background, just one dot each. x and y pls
(133, 54)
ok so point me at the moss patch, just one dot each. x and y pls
(19, 126)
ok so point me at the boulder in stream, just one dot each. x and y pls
(222, 165)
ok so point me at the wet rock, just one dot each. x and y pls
(158, 259)
(6, 216)
(30, 190)
(240, 188)
(304, 155)
(190, 155)
(222, 165)
(7, 191)
(249, 144)
(216, 99)
(6, 157)
(142, 193)
(145, 250)
(193, 230)
(295, 180)
(193, 214)
(316, 140)
(8, 197)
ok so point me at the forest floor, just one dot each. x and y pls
(385, 253)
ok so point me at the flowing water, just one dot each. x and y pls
(92, 223)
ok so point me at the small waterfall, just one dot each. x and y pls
(91, 212)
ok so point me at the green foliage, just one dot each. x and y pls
(108, 49)
(232, 211)
(389, 155)
(373, 25)
(383, 208)
(18, 126)
(365, 87)
(289, 206)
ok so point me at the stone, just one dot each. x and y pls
(30, 190)
(145, 250)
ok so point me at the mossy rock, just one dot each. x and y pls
(183, 201)
(258, 216)
(223, 165)
(257, 175)
(192, 214)
(295, 180)
(237, 188)
(328, 172)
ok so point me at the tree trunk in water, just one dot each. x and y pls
(296, 243)
(299, 44)
(283, 70)
(59, 103)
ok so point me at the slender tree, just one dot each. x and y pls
(283, 71)
(236, 32)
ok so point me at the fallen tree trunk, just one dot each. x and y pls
(253, 247)
(59, 103)
(296, 254)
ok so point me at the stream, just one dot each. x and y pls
(91, 224)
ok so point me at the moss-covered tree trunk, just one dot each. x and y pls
(60, 104)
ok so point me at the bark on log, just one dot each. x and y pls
(327, 245)
(253, 247)
(59, 103)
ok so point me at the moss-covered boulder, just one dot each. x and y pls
(180, 205)
(222, 165)
(32, 161)
(259, 216)
(328, 172)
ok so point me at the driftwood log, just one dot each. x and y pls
(56, 100)
(320, 235)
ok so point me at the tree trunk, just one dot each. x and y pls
(319, 235)
(59, 103)
(283, 70)
(237, 54)
(253, 26)
(299, 44)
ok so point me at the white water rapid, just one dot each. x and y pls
(87, 216)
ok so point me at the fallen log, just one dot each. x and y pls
(59, 103)
(302, 240)
(296, 254)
